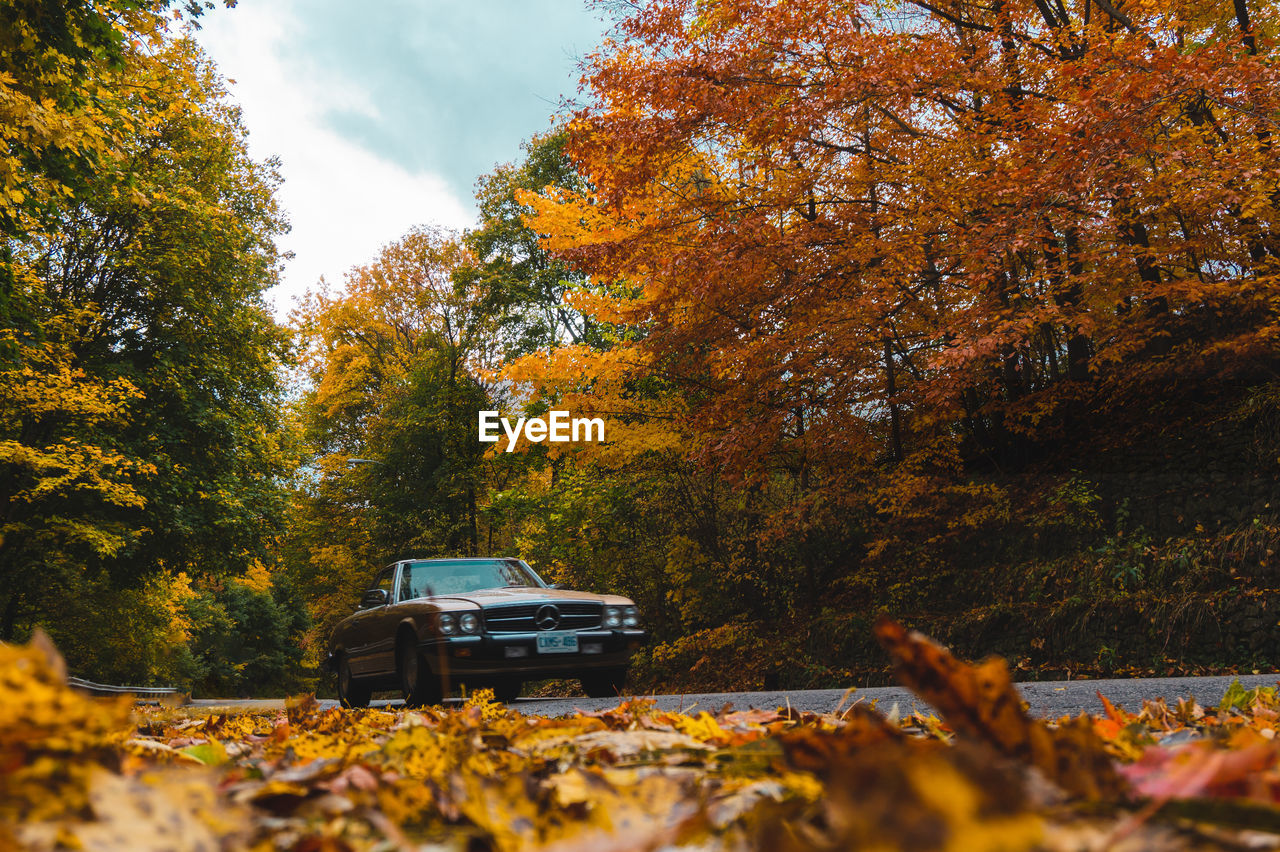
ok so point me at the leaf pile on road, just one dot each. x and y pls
(84, 773)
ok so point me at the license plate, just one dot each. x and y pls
(557, 643)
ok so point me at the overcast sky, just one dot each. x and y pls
(385, 112)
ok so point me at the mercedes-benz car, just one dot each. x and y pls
(425, 626)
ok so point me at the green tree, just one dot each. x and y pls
(521, 284)
(167, 260)
(425, 489)
(63, 65)
(141, 431)
(245, 639)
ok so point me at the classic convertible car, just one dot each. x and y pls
(426, 625)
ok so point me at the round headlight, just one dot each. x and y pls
(630, 616)
(468, 623)
(446, 625)
(612, 616)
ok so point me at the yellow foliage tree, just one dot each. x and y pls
(65, 491)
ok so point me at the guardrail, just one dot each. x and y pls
(110, 689)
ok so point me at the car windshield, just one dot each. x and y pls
(455, 577)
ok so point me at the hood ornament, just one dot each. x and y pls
(547, 617)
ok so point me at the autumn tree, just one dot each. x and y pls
(61, 112)
(861, 260)
(139, 428)
(164, 265)
(397, 363)
(57, 71)
(631, 515)
(925, 231)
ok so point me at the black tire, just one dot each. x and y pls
(417, 684)
(352, 693)
(605, 683)
(507, 689)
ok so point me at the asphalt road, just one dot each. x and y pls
(1046, 698)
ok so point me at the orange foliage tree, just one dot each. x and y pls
(872, 238)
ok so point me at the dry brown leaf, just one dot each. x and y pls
(981, 702)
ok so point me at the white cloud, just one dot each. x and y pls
(343, 201)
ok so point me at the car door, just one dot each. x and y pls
(364, 651)
(383, 622)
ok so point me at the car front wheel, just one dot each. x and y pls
(607, 683)
(418, 685)
(351, 692)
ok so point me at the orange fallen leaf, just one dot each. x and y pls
(980, 702)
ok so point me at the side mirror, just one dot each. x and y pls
(374, 597)
(554, 586)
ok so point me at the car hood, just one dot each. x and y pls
(495, 597)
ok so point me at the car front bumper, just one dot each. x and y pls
(516, 654)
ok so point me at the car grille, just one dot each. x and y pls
(519, 618)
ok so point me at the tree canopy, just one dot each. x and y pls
(921, 230)
(141, 435)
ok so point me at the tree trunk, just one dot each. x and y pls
(471, 511)
(1134, 233)
(803, 463)
(10, 617)
(891, 390)
(1077, 344)
(1246, 29)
